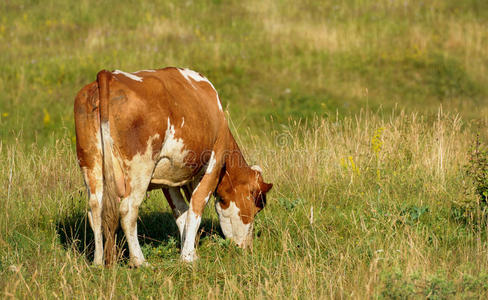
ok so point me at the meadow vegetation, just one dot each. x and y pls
(368, 116)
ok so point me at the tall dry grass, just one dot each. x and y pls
(361, 208)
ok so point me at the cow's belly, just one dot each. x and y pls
(171, 169)
(169, 172)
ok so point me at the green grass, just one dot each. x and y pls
(360, 111)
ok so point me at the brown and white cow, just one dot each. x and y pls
(161, 129)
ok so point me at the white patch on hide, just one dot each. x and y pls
(225, 223)
(129, 75)
(257, 168)
(173, 147)
(145, 71)
(170, 169)
(231, 223)
(141, 166)
(187, 73)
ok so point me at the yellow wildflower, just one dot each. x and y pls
(47, 117)
(376, 142)
(354, 168)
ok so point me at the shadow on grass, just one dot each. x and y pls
(154, 229)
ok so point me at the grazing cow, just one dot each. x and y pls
(161, 129)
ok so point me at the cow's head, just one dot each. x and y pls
(239, 199)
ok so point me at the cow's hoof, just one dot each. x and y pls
(189, 257)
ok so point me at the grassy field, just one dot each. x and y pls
(362, 113)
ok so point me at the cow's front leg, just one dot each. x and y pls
(199, 199)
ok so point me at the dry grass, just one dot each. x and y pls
(342, 102)
(359, 176)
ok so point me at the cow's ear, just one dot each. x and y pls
(265, 187)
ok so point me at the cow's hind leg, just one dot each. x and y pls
(139, 176)
(179, 206)
(94, 182)
(89, 154)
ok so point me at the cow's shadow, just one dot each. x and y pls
(154, 229)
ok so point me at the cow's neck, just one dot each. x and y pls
(235, 162)
(236, 168)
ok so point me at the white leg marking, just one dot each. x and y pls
(211, 163)
(191, 227)
(180, 222)
(188, 253)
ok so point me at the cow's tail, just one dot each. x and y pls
(110, 199)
